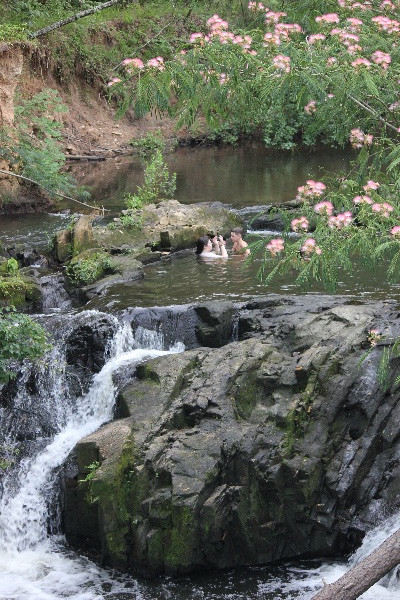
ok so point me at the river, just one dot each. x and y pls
(37, 566)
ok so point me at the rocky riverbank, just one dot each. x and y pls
(267, 439)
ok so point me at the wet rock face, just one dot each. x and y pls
(278, 445)
(86, 350)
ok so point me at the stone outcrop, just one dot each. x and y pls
(280, 444)
(169, 225)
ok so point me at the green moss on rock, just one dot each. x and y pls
(180, 540)
(90, 266)
(17, 291)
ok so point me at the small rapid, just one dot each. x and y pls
(31, 566)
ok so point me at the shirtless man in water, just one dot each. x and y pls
(239, 245)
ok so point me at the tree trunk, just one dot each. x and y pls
(83, 13)
(363, 576)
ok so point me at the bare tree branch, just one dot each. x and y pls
(56, 193)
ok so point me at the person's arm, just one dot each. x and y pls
(222, 247)
(216, 245)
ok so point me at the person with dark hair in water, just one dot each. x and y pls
(205, 247)
(239, 245)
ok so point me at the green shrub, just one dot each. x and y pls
(88, 268)
(12, 33)
(20, 338)
(158, 183)
(149, 144)
(32, 146)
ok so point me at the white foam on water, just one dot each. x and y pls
(32, 565)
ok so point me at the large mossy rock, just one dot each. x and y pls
(168, 225)
(74, 240)
(19, 291)
(116, 255)
(279, 445)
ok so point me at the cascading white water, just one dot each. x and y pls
(305, 582)
(35, 566)
(31, 567)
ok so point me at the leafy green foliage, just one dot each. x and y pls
(244, 90)
(31, 148)
(132, 219)
(92, 468)
(9, 267)
(337, 86)
(84, 271)
(12, 33)
(158, 183)
(20, 338)
(148, 144)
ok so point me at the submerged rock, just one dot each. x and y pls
(278, 445)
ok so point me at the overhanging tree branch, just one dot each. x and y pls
(56, 193)
(80, 15)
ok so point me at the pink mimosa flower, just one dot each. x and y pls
(311, 189)
(371, 185)
(328, 18)
(324, 208)
(309, 247)
(395, 231)
(300, 224)
(361, 62)
(282, 63)
(274, 17)
(341, 220)
(382, 58)
(311, 107)
(358, 138)
(362, 200)
(383, 209)
(316, 37)
(374, 336)
(275, 246)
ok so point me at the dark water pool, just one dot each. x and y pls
(242, 176)
(182, 278)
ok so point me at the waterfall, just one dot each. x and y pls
(29, 558)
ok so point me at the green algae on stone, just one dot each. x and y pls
(18, 291)
(180, 541)
(89, 266)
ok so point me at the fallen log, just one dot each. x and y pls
(84, 157)
(365, 574)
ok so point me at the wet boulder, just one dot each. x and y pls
(217, 321)
(168, 226)
(86, 346)
(277, 445)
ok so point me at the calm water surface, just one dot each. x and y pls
(241, 176)
(182, 279)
